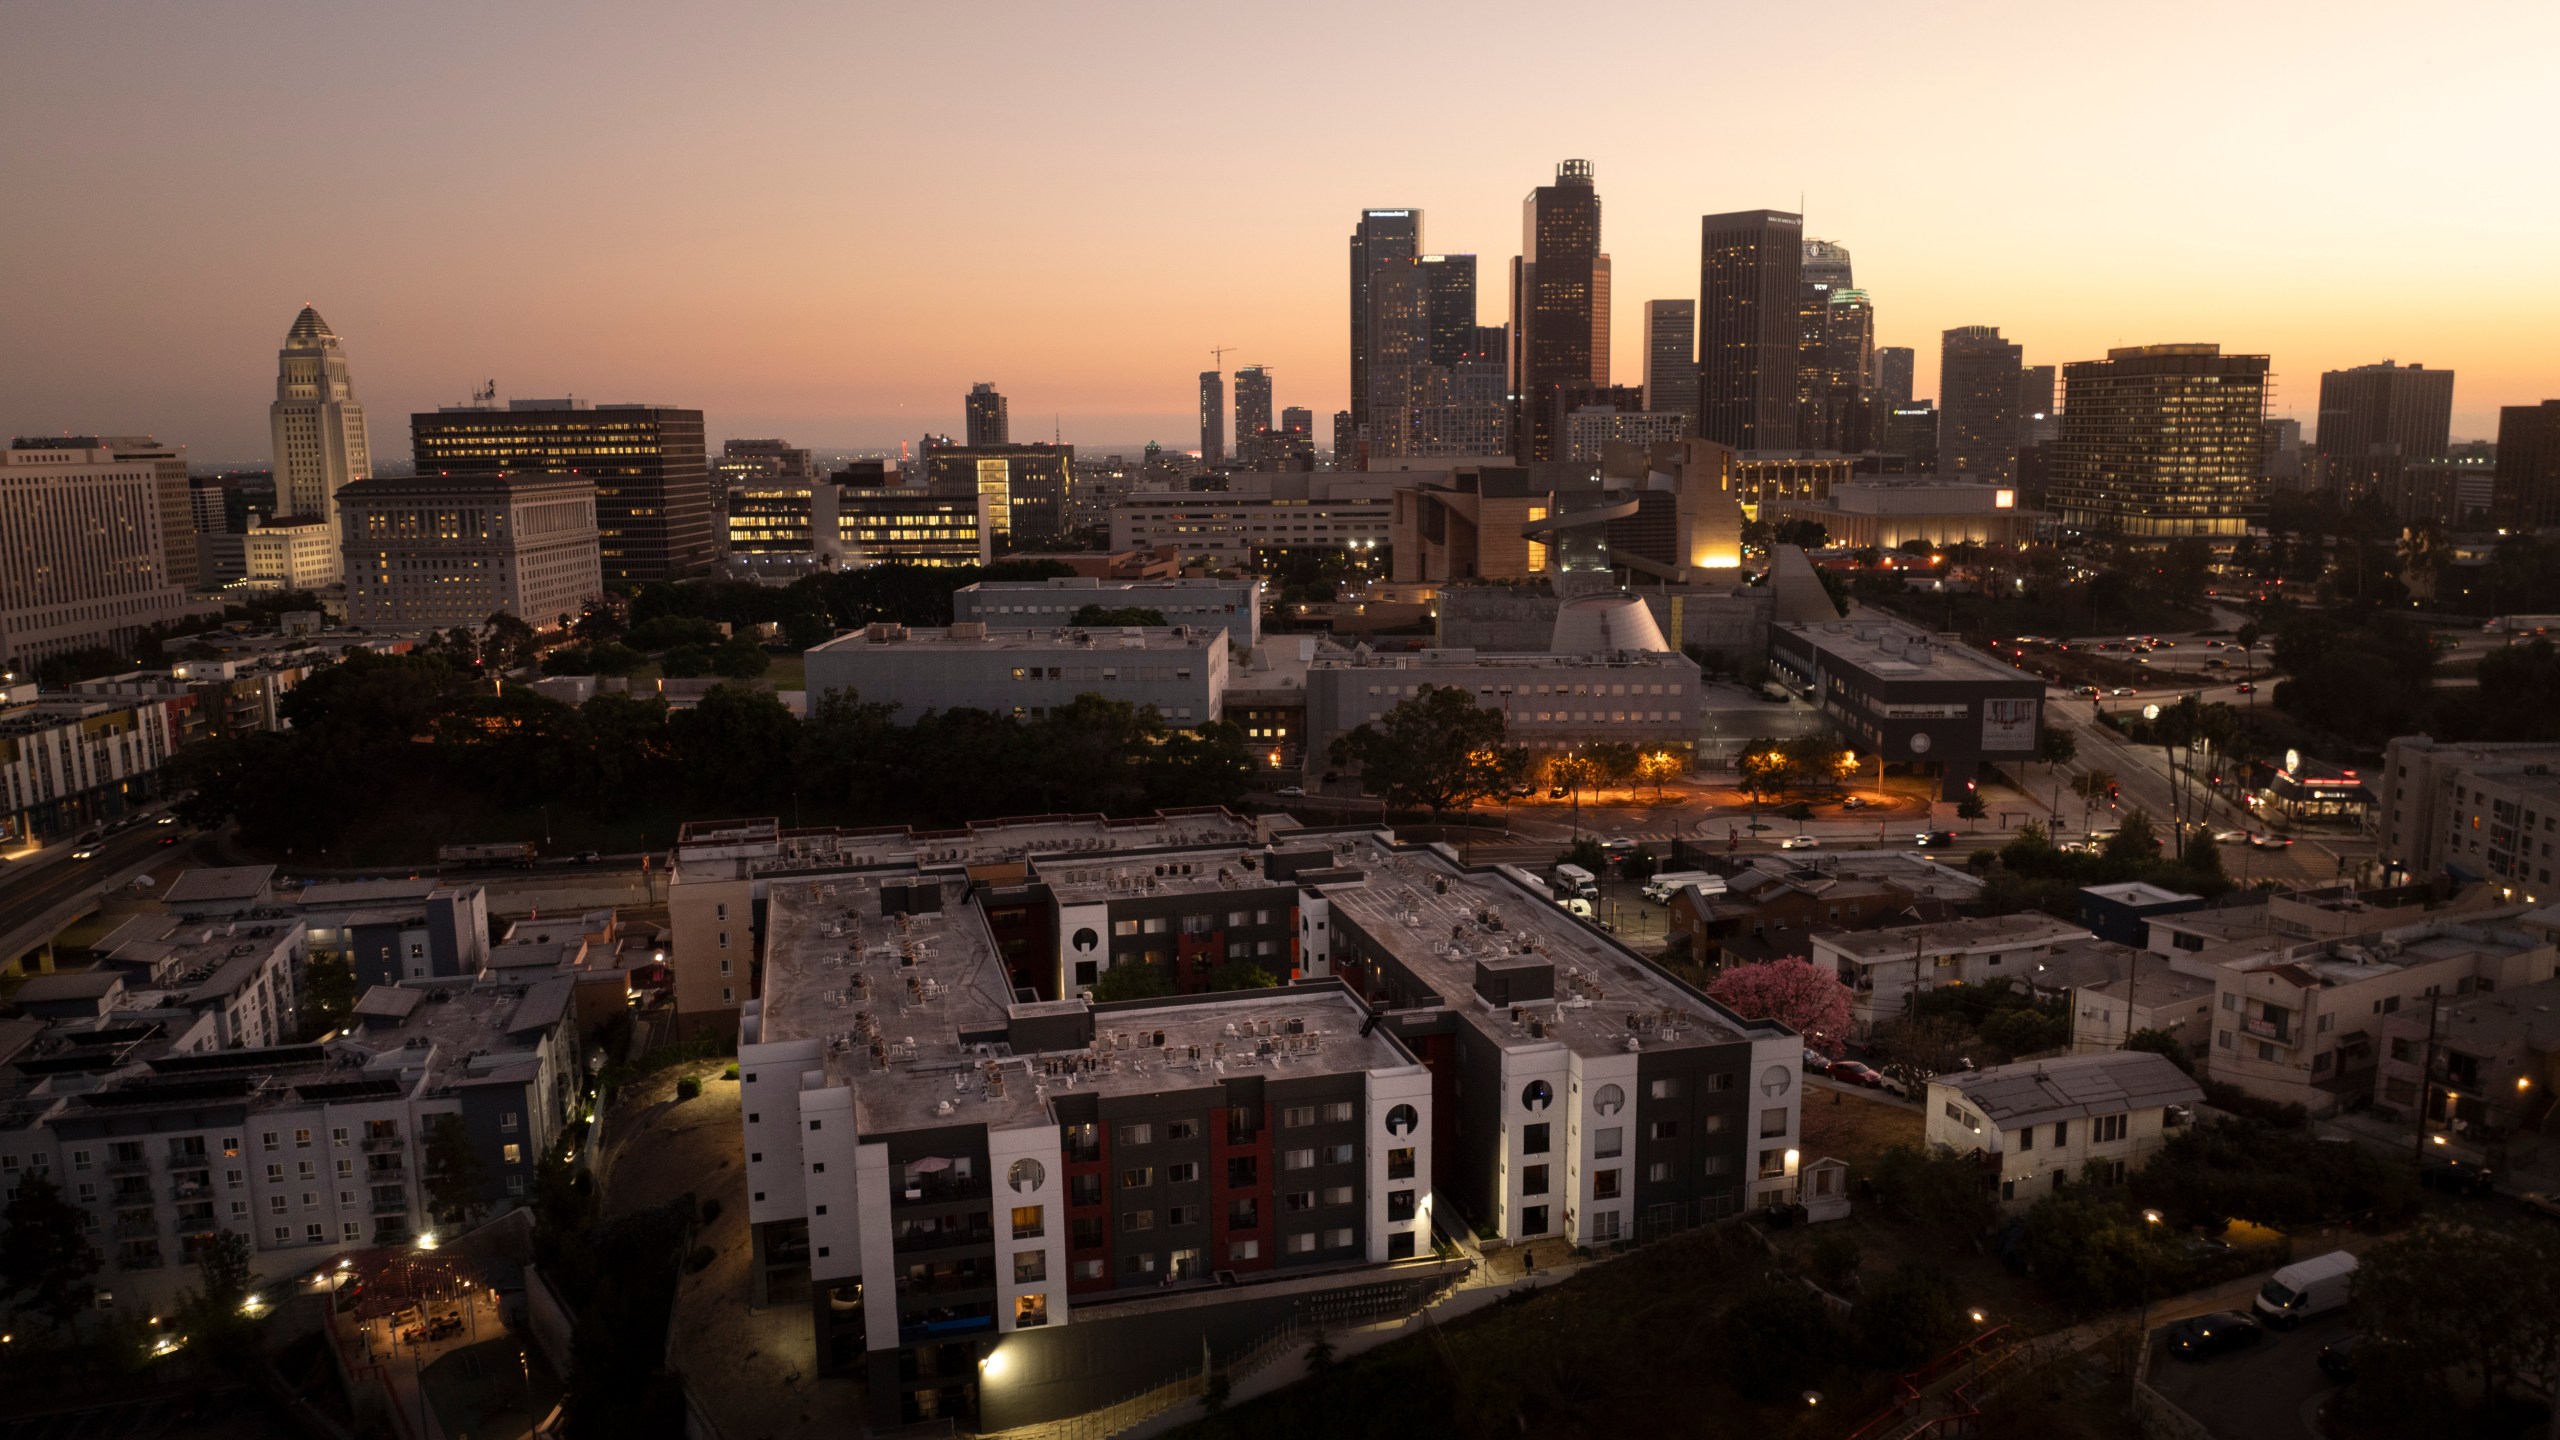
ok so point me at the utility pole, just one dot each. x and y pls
(2427, 1075)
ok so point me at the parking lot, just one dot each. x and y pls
(2271, 1391)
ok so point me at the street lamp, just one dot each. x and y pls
(2142, 1337)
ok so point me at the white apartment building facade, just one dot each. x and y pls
(2046, 1121)
(82, 551)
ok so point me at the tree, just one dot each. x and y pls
(1587, 853)
(1438, 751)
(2056, 745)
(1617, 762)
(2445, 1299)
(1761, 770)
(808, 629)
(2133, 840)
(739, 658)
(328, 995)
(1320, 1353)
(1796, 993)
(210, 1313)
(454, 1173)
(1969, 809)
(1939, 1189)
(1816, 760)
(510, 642)
(1121, 615)
(46, 1260)
(1132, 980)
(1659, 767)
(1909, 1315)
(684, 662)
(1930, 1044)
(1833, 1259)
(2161, 1042)
(1241, 975)
(1779, 1340)
(2092, 786)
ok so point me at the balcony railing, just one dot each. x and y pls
(378, 1143)
(943, 1239)
(192, 1190)
(134, 1165)
(940, 1185)
(391, 1207)
(386, 1165)
(133, 1226)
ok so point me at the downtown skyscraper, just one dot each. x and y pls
(321, 446)
(1381, 237)
(1253, 409)
(987, 421)
(1750, 282)
(1671, 358)
(1213, 417)
(1978, 374)
(1559, 308)
(2375, 420)
(1436, 378)
(653, 509)
(2159, 442)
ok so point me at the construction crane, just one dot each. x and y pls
(1218, 354)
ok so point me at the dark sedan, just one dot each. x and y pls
(2209, 1335)
(1934, 839)
(2338, 1359)
(2459, 1176)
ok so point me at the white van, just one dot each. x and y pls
(2307, 1287)
(1577, 883)
(1662, 887)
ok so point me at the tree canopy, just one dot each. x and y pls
(1437, 751)
(1798, 994)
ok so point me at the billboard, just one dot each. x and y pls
(2009, 725)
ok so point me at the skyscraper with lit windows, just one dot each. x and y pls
(2159, 442)
(1750, 282)
(1559, 307)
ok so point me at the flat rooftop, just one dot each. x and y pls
(1338, 659)
(914, 1010)
(1944, 937)
(1187, 872)
(1439, 932)
(225, 883)
(387, 894)
(732, 849)
(1045, 638)
(1891, 650)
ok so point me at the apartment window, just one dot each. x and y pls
(1337, 1112)
(284, 1234)
(1302, 1244)
(1533, 1219)
(1177, 1130)
(1085, 1270)
(1337, 1195)
(276, 1204)
(1400, 1163)
(1657, 1172)
(1608, 1142)
(1028, 1222)
(1338, 1154)
(1665, 1130)
(267, 1140)
(337, 1136)
(1294, 1116)
(1666, 1089)
(1400, 1205)
(1085, 1234)
(1243, 1250)
(275, 1172)
(508, 1123)
(1337, 1239)
(2061, 1133)
(1137, 1134)
(1030, 1311)
(346, 1167)
(1604, 1184)
(1030, 1266)
(1137, 1220)
(1185, 1173)
(2027, 1139)
(306, 1171)
(1298, 1200)
(1533, 1179)
(1773, 1122)
(2107, 1127)
(2266, 1050)
(1137, 1177)
(1772, 1162)
(1297, 1159)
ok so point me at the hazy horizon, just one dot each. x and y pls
(825, 224)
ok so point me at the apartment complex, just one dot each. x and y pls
(68, 761)
(2478, 811)
(82, 550)
(985, 1185)
(437, 551)
(1887, 969)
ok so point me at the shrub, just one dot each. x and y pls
(731, 1073)
(710, 1210)
(1832, 1259)
(689, 1087)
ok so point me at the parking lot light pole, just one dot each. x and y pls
(2142, 1336)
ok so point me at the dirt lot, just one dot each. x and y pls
(753, 1370)
(1846, 1125)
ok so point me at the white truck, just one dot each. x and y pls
(1662, 887)
(2306, 1288)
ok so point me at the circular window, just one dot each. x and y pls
(1608, 1099)
(1085, 941)
(1538, 1095)
(1775, 1080)
(1026, 1176)
(1402, 1119)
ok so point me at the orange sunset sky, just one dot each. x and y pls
(824, 221)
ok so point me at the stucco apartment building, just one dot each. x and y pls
(2474, 812)
(2043, 1123)
(1884, 967)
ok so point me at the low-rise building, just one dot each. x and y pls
(1234, 606)
(2148, 996)
(1231, 528)
(2478, 1072)
(1550, 702)
(1772, 906)
(1898, 691)
(1887, 514)
(2042, 1124)
(69, 761)
(1885, 968)
(1180, 670)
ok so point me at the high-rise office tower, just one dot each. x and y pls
(1449, 296)
(1840, 417)
(1346, 441)
(987, 423)
(653, 480)
(2039, 387)
(1380, 237)
(1213, 417)
(2375, 420)
(1825, 269)
(1910, 430)
(1556, 284)
(1298, 420)
(1894, 367)
(178, 560)
(2280, 453)
(1978, 405)
(316, 424)
(2160, 442)
(1253, 412)
(1750, 282)
(1671, 358)
(2526, 494)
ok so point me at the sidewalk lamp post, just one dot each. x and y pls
(2142, 1336)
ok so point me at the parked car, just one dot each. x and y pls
(2122, 690)
(2231, 837)
(2245, 688)
(1800, 842)
(1292, 792)
(1618, 845)
(2209, 1335)
(2462, 1177)
(1854, 802)
(2338, 1358)
(1856, 1072)
(1554, 792)
(1934, 839)
(1815, 1062)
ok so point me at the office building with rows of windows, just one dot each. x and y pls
(653, 480)
(2159, 442)
(436, 551)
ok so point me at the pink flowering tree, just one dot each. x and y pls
(1796, 993)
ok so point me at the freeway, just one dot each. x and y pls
(29, 891)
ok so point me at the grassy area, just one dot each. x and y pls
(1631, 1348)
(1842, 1126)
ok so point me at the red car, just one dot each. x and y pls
(1856, 1073)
